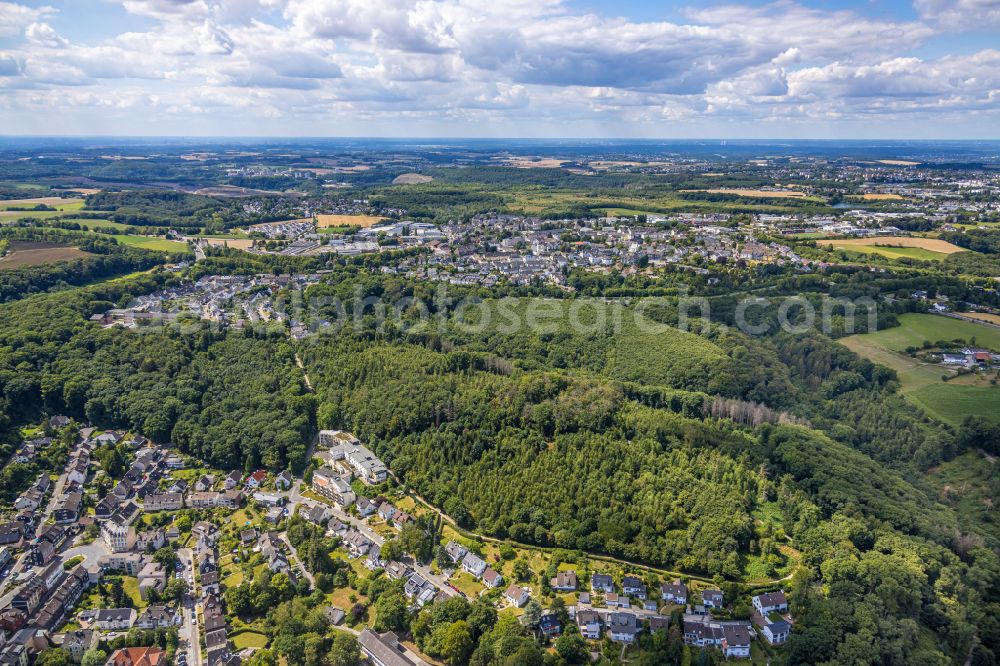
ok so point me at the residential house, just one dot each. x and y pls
(623, 627)
(549, 625)
(712, 598)
(79, 641)
(204, 500)
(565, 581)
(770, 602)
(735, 642)
(231, 499)
(491, 578)
(473, 564)
(269, 499)
(158, 617)
(204, 483)
(232, 480)
(590, 623)
(396, 570)
(400, 519)
(115, 619)
(602, 583)
(205, 534)
(385, 510)
(163, 502)
(283, 481)
(150, 540)
(357, 544)
(365, 507)
(382, 650)
(152, 577)
(633, 587)
(68, 510)
(256, 479)
(675, 592)
(517, 595)
(455, 551)
(138, 656)
(420, 590)
(776, 632)
(42, 553)
(334, 615)
(107, 506)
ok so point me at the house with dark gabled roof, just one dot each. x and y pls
(770, 602)
(602, 583)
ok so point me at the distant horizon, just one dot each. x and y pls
(865, 69)
(428, 137)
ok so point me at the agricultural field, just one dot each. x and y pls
(96, 224)
(871, 196)
(59, 203)
(363, 221)
(922, 383)
(896, 247)
(151, 243)
(21, 253)
(914, 329)
(983, 316)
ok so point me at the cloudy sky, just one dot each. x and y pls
(494, 68)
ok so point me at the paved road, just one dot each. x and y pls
(189, 633)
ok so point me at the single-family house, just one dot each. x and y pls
(517, 595)
(633, 587)
(602, 583)
(770, 602)
(712, 598)
(623, 627)
(565, 581)
(473, 564)
(491, 578)
(115, 619)
(776, 632)
(590, 623)
(675, 592)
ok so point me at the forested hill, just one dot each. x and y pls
(579, 441)
(235, 400)
(746, 459)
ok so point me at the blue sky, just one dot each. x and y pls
(494, 68)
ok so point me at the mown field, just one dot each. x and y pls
(151, 243)
(922, 382)
(363, 221)
(896, 247)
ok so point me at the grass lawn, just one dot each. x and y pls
(131, 586)
(922, 382)
(467, 584)
(233, 580)
(953, 402)
(151, 243)
(915, 328)
(248, 639)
